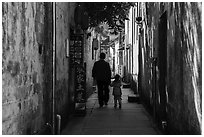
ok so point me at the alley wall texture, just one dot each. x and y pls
(29, 42)
(184, 69)
(174, 35)
(89, 59)
(25, 95)
(27, 66)
(64, 19)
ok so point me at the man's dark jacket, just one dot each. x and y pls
(101, 71)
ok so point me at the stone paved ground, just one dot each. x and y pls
(132, 119)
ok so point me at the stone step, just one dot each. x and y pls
(126, 85)
(134, 98)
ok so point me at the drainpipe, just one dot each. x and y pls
(133, 24)
(54, 68)
(58, 124)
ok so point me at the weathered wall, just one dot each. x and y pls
(88, 57)
(65, 77)
(27, 65)
(25, 51)
(64, 19)
(182, 103)
(184, 67)
(148, 46)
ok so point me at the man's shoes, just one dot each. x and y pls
(106, 103)
(100, 106)
(115, 106)
(119, 106)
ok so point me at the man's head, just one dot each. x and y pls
(102, 55)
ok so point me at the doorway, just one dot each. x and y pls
(162, 66)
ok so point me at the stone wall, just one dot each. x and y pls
(25, 53)
(178, 99)
(27, 66)
(184, 68)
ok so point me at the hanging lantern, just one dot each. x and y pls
(95, 44)
(85, 21)
(139, 20)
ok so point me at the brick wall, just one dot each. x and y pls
(23, 58)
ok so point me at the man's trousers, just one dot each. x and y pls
(103, 92)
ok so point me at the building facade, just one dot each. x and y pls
(168, 39)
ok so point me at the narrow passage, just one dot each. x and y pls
(132, 119)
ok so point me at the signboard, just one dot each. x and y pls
(76, 49)
(76, 56)
(80, 89)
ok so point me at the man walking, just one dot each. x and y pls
(101, 72)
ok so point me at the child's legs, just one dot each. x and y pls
(119, 100)
(115, 101)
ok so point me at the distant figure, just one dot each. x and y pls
(116, 84)
(101, 72)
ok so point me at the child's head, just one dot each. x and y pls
(117, 77)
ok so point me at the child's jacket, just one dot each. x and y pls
(116, 88)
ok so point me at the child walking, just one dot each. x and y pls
(116, 84)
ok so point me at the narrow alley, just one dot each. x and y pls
(131, 119)
(62, 62)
